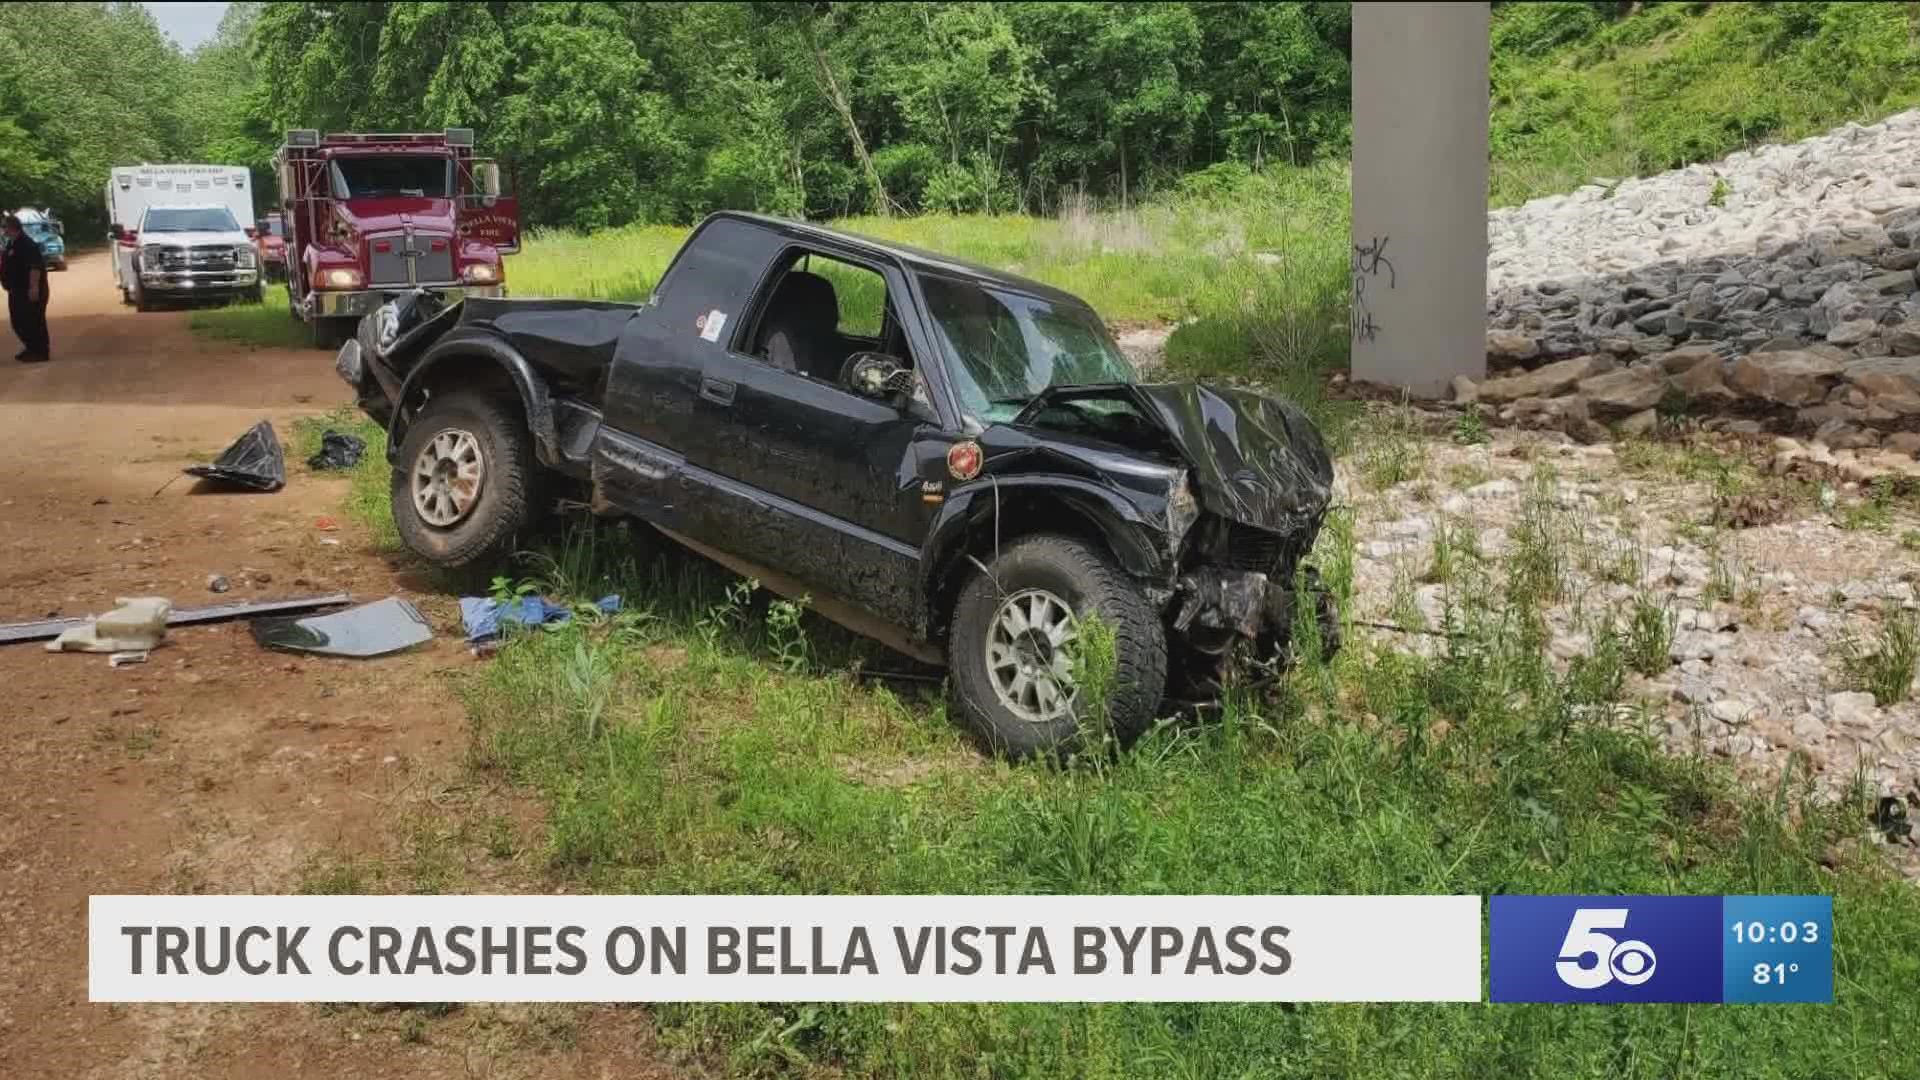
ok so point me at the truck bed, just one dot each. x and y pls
(572, 340)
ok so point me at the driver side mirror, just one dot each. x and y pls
(489, 179)
(877, 376)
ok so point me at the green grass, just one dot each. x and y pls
(711, 739)
(1577, 96)
(708, 741)
(266, 325)
(367, 500)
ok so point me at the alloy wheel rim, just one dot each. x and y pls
(1030, 657)
(447, 477)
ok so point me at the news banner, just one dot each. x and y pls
(1565, 949)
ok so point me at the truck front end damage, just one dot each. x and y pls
(1254, 485)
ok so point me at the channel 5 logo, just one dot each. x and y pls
(1606, 948)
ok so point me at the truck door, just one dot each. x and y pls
(830, 481)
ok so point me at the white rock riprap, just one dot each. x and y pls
(1801, 256)
(1754, 672)
(1830, 195)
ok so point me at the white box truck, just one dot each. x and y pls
(196, 261)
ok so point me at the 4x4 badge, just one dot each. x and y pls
(963, 460)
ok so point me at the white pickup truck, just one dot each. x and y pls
(187, 252)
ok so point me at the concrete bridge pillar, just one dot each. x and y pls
(1419, 193)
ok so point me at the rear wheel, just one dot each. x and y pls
(463, 482)
(1015, 652)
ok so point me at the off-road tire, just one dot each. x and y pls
(1088, 580)
(257, 295)
(508, 497)
(139, 292)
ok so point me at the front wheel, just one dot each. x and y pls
(463, 482)
(1016, 653)
(140, 300)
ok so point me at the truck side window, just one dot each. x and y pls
(820, 312)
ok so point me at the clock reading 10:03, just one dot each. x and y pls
(1786, 933)
(1777, 949)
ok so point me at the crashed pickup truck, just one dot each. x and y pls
(951, 459)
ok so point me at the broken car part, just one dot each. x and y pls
(384, 626)
(136, 624)
(255, 461)
(42, 629)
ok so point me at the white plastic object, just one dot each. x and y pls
(136, 624)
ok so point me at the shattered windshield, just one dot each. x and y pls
(416, 175)
(1006, 348)
(206, 219)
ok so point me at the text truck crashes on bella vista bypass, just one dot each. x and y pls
(953, 460)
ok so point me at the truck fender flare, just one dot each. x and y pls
(534, 397)
(1136, 542)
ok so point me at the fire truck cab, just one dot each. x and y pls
(372, 215)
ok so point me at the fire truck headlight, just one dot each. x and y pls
(340, 277)
(480, 274)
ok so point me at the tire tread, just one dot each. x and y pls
(1140, 645)
(506, 505)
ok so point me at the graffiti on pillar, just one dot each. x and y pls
(1369, 259)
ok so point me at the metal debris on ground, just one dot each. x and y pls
(217, 583)
(337, 451)
(122, 659)
(254, 461)
(136, 624)
(384, 626)
(52, 627)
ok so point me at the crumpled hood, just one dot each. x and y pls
(1257, 460)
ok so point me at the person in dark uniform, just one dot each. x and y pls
(24, 273)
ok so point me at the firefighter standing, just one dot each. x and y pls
(24, 273)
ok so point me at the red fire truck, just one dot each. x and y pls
(368, 216)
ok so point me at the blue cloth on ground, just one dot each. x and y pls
(485, 617)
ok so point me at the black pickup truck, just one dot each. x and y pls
(950, 459)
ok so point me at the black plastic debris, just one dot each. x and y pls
(384, 626)
(1890, 817)
(254, 461)
(338, 451)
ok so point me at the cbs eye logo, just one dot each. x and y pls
(1630, 962)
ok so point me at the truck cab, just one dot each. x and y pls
(368, 216)
(191, 252)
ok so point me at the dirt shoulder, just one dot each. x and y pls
(215, 767)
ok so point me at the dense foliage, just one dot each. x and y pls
(612, 114)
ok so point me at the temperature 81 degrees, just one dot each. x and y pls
(1777, 948)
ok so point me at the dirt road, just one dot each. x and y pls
(216, 766)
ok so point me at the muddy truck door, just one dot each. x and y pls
(835, 488)
(652, 434)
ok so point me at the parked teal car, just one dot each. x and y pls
(45, 231)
